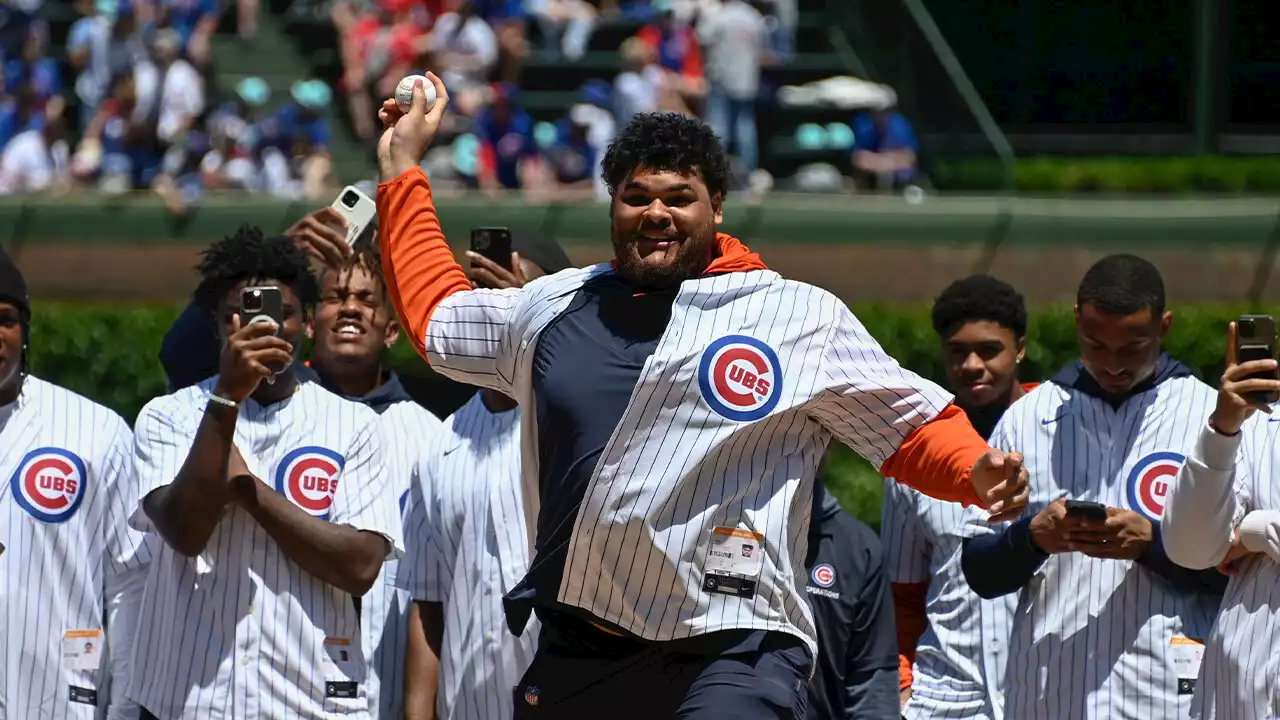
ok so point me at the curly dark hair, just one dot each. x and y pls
(249, 255)
(667, 141)
(979, 297)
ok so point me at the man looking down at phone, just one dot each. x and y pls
(270, 495)
(1106, 622)
(677, 403)
(1224, 510)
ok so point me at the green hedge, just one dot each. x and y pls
(109, 353)
(1051, 175)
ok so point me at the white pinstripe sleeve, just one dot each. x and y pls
(364, 499)
(124, 568)
(869, 401)
(469, 338)
(417, 530)
(441, 546)
(160, 447)
(906, 548)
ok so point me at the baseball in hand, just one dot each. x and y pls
(404, 92)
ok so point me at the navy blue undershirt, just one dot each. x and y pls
(586, 365)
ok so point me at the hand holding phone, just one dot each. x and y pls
(254, 350)
(1086, 510)
(357, 209)
(493, 243)
(1251, 381)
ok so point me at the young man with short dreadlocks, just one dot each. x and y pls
(270, 495)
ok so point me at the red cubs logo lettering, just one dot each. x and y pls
(49, 484)
(308, 477)
(1150, 481)
(740, 378)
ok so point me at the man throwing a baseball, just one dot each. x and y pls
(677, 403)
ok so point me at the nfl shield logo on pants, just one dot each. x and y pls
(531, 695)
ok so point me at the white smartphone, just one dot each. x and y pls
(359, 210)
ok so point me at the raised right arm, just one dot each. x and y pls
(458, 330)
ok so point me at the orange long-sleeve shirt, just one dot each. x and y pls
(421, 272)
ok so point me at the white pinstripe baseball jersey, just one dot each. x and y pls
(751, 378)
(242, 631)
(406, 428)
(960, 659)
(68, 488)
(1093, 638)
(465, 546)
(1240, 674)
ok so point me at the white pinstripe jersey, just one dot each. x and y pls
(750, 380)
(1240, 675)
(68, 487)
(242, 631)
(465, 546)
(1091, 638)
(960, 659)
(384, 612)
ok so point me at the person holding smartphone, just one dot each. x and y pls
(1107, 624)
(1224, 511)
(271, 499)
(465, 530)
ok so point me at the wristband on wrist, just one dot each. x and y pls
(226, 402)
(1219, 431)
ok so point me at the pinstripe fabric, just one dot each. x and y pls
(241, 633)
(960, 659)
(55, 573)
(1240, 675)
(675, 468)
(466, 545)
(405, 427)
(1091, 638)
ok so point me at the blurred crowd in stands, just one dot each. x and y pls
(132, 104)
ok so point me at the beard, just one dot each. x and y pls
(663, 268)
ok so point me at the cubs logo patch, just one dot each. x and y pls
(823, 575)
(49, 484)
(308, 477)
(1150, 481)
(740, 378)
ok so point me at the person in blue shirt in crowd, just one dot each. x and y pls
(507, 147)
(884, 150)
(20, 112)
(33, 68)
(195, 21)
(571, 158)
(300, 118)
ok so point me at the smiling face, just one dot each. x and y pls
(981, 362)
(353, 322)
(1120, 351)
(10, 352)
(663, 227)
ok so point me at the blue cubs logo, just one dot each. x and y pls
(823, 575)
(740, 378)
(308, 476)
(1150, 481)
(49, 484)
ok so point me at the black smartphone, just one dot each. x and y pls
(1087, 510)
(262, 304)
(1256, 340)
(493, 243)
